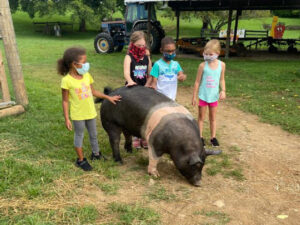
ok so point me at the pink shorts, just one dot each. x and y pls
(204, 103)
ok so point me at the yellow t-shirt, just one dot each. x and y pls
(81, 100)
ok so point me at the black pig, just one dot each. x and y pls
(167, 127)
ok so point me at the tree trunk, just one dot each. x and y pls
(82, 25)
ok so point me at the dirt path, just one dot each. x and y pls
(271, 159)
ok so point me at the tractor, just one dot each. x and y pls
(115, 34)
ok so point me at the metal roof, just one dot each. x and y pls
(206, 5)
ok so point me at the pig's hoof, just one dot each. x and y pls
(120, 161)
(154, 173)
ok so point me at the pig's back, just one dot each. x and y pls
(132, 110)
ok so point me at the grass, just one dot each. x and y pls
(158, 192)
(85, 214)
(224, 165)
(134, 214)
(39, 182)
(221, 217)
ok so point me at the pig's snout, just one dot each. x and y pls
(197, 183)
(196, 180)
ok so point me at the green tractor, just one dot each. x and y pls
(115, 34)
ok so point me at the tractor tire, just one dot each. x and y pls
(104, 43)
(155, 37)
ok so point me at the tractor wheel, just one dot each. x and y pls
(104, 43)
(154, 36)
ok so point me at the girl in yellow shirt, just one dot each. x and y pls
(77, 94)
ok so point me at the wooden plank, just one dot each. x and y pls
(14, 110)
(3, 82)
(6, 104)
(11, 52)
(228, 34)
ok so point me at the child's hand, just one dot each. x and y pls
(148, 85)
(114, 99)
(222, 95)
(181, 77)
(68, 124)
(194, 101)
(131, 83)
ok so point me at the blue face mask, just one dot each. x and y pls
(84, 69)
(169, 57)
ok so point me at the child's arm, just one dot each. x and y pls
(181, 76)
(127, 62)
(65, 105)
(149, 77)
(197, 83)
(154, 83)
(112, 99)
(154, 74)
(222, 83)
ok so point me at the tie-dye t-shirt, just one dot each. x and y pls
(81, 99)
(166, 75)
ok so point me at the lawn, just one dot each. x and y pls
(39, 184)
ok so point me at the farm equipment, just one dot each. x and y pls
(115, 34)
(244, 39)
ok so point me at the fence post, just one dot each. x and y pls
(3, 82)
(11, 52)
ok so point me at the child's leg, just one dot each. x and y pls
(212, 121)
(78, 137)
(201, 117)
(92, 129)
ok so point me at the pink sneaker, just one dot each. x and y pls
(136, 142)
(144, 144)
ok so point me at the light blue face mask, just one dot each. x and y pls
(84, 69)
(169, 57)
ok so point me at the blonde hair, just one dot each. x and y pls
(213, 45)
(137, 35)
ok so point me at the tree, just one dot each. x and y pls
(83, 11)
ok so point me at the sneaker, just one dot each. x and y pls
(97, 157)
(214, 142)
(136, 142)
(203, 141)
(84, 164)
(144, 144)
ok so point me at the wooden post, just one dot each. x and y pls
(228, 34)
(177, 25)
(11, 52)
(14, 110)
(238, 13)
(149, 25)
(3, 82)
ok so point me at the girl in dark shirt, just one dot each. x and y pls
(137, 67)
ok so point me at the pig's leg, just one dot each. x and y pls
(153, 161)
(128, 141)
(114, 133)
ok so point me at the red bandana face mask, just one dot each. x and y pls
(137, 52)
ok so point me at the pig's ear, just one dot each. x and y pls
(212, 152)
(194, 160)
